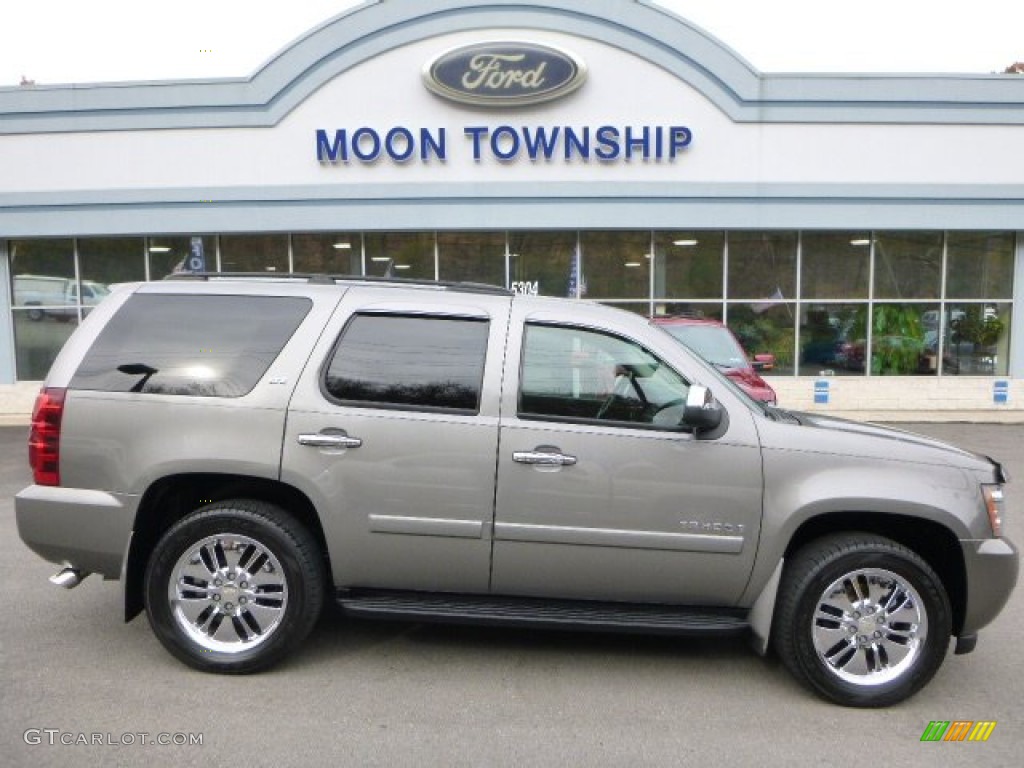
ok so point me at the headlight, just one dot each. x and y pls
(994, 503)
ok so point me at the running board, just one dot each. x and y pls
(546, 614)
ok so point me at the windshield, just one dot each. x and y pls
(714, 343)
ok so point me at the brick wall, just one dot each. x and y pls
(905, 398)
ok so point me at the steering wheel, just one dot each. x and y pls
(631, 378)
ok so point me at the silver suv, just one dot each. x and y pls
(238, 450)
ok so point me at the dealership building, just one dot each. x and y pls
(866, 231)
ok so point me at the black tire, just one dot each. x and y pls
(873, 654)
(253, 590)
(35, 314)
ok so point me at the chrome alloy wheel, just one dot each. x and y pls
(869, 627)
(228, 593)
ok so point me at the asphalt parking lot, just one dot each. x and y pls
(361, 694)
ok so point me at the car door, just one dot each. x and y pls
(600, 494)
(394, 438)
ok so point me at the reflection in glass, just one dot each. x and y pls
(44, 315)
(835, 265)
(474, 257)
(106, 261)
(253, 253)
(171, 254)
(386, 360)
(976, 339)
(190, 345)
(337, 253)
(765, 328)
(710, 309)
(900, 342)
(908, 265)
(400, 254)
(617, 265)
(542, 261)
(688, 265)
(979, 265)
(831, 341)
(762, 265)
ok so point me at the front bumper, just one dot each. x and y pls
(86, 529)
(992, 566)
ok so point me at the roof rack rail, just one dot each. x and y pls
(320, 278)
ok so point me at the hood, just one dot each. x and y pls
(827, 434)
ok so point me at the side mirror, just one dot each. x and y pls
(702, 411)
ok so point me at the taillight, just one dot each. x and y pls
(44, 437)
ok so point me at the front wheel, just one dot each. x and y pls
(862, 620)
(234, 586)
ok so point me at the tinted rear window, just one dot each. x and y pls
(426, 363)
(205, 346)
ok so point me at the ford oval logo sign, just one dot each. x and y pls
(504, 74)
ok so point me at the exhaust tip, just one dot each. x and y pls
(69, 578)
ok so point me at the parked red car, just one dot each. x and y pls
(714, 342)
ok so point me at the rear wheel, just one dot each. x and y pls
(234, 586)
(861, 619)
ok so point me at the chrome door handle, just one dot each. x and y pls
(543, 458)
(329, 440)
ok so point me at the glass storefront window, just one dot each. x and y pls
(765, 328)
(711, 309)
(832, 339)
(835, 265)
(617, 265)
(168, 255)
(901, 342)
(922, 322)
(253, 253)
(762, 265)
(543, 262)
(400, 254)
(688, 265)
(103, 261)
(43, 305)
(637, 307)
(908, 265)
(979, 265)
(976, 339)
(337, 253)
(474, 257)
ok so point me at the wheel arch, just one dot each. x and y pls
(933, 542)
(170, 498)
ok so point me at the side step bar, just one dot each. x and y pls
(583, 615)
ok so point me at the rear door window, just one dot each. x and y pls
(411, 362)
(202, 346)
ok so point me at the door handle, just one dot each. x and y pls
(544, 458)
(329, 440)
